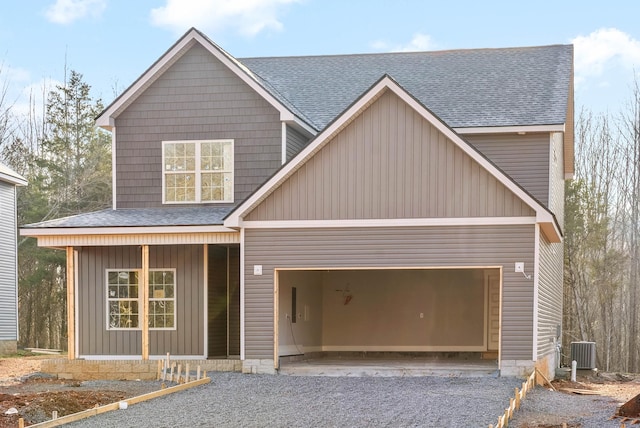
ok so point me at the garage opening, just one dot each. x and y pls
(412, 314)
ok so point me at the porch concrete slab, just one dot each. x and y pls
(389, 367)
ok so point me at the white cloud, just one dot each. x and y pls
(419, 42)
(67, 11)
(601, 50)
(248, 17)
(32, 98)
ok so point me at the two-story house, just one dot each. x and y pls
(9, 181)
(269, 207)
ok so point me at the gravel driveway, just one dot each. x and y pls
(237, 400)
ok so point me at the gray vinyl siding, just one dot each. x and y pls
(95, 339)
(196, 98)
(188, 337)
(550, 289)
(524, 157)
(389, 162)
(295, 142)
(8, 263)
(391, 247)
(556, 178)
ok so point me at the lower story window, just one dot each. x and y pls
(122, 300)
(124, 304)
(162, 299)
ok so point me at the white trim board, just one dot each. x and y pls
(123, 230)
(510, 129)
(402, 222)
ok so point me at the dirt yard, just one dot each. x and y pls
(35, 397)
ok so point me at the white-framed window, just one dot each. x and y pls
(162, 299)
(197, 171)
(124, 304)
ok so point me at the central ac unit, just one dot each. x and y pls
(584, 353)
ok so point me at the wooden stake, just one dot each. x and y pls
(546, 380)
(171, 374)
(54, 415)
(179, 373)
(20, 423)
(198, 376)
(186, 374)
(517, 399)
(159, 369)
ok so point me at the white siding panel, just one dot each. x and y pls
(8, 262)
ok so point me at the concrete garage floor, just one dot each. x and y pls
(385, 365)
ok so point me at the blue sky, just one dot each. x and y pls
(112, 42)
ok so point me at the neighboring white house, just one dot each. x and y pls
(9, 180)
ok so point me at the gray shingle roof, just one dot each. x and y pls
(142, 217)
(465, 88)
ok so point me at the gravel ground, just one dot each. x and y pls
(544, 407)
(236, 400)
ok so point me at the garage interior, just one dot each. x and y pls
(394, 320)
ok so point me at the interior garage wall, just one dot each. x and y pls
(305, 335)
(385, 308)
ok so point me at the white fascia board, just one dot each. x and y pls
(510, 129)
(302, 126)
(403, 222)
(106, 119)
(13, 179)
(71, 231)
(386, 83)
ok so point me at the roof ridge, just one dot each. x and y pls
(407, 53)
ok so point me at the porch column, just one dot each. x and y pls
(144, 294)
(71, 306)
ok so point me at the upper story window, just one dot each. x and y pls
(197, 171)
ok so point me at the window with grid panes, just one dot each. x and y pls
(124, 302)
(197, 171)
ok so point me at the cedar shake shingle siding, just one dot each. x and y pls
(197, 98)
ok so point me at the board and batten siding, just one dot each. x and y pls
(91, 307)
(197, 98)
(295, 142)
(389, 162)
(393, 247)
(8, 263)
(550, 294)
(523, 157)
